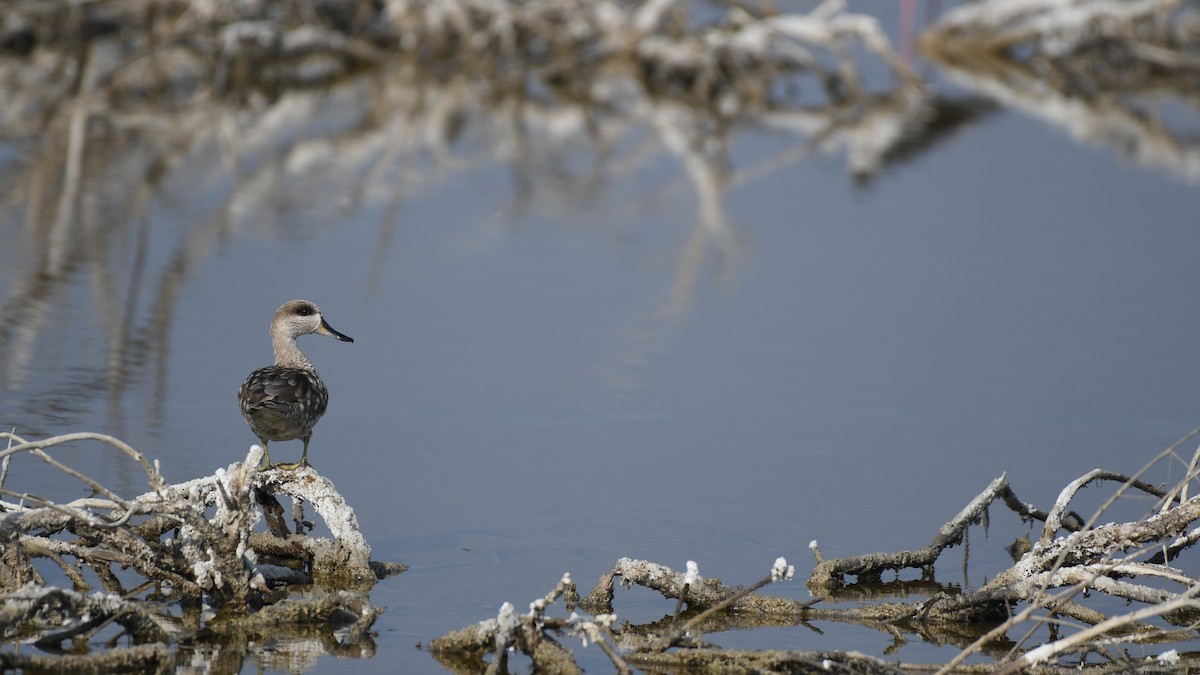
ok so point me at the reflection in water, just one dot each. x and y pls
(276, 124)
(1056, 62)
(223, 144)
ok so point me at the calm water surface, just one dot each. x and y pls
(547, 378)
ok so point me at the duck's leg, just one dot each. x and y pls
(304, 456)
(266, 455)
(296, 465)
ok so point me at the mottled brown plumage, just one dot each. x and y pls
(283, 402)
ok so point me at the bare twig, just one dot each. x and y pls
(1048, 651)
(828, 573)
(781, 570)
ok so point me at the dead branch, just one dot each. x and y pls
(1085, 638)
(1055, 518)
(831, 573)
(344, 559)
(781, 570)
(530, 634)
(1086, 558)
(698, 592)
(188, 541)
(147, 658)
(155, 478)
(1050, 578)
(43, 612)
(765, 661)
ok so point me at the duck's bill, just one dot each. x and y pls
(326, 329)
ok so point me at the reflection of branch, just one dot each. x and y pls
(572, 96)
(1061, 26)
(1048, 58)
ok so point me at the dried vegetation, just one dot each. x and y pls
(176, 565)
(1051, 597)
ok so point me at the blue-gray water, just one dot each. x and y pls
(547, 378)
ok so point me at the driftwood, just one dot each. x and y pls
(158, 556)
(1049, 582)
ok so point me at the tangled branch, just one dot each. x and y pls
(1051, 577)
(157, 554)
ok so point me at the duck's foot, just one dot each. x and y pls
(287, 466)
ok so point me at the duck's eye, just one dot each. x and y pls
(305, 311)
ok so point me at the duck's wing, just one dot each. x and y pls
(283, 389)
